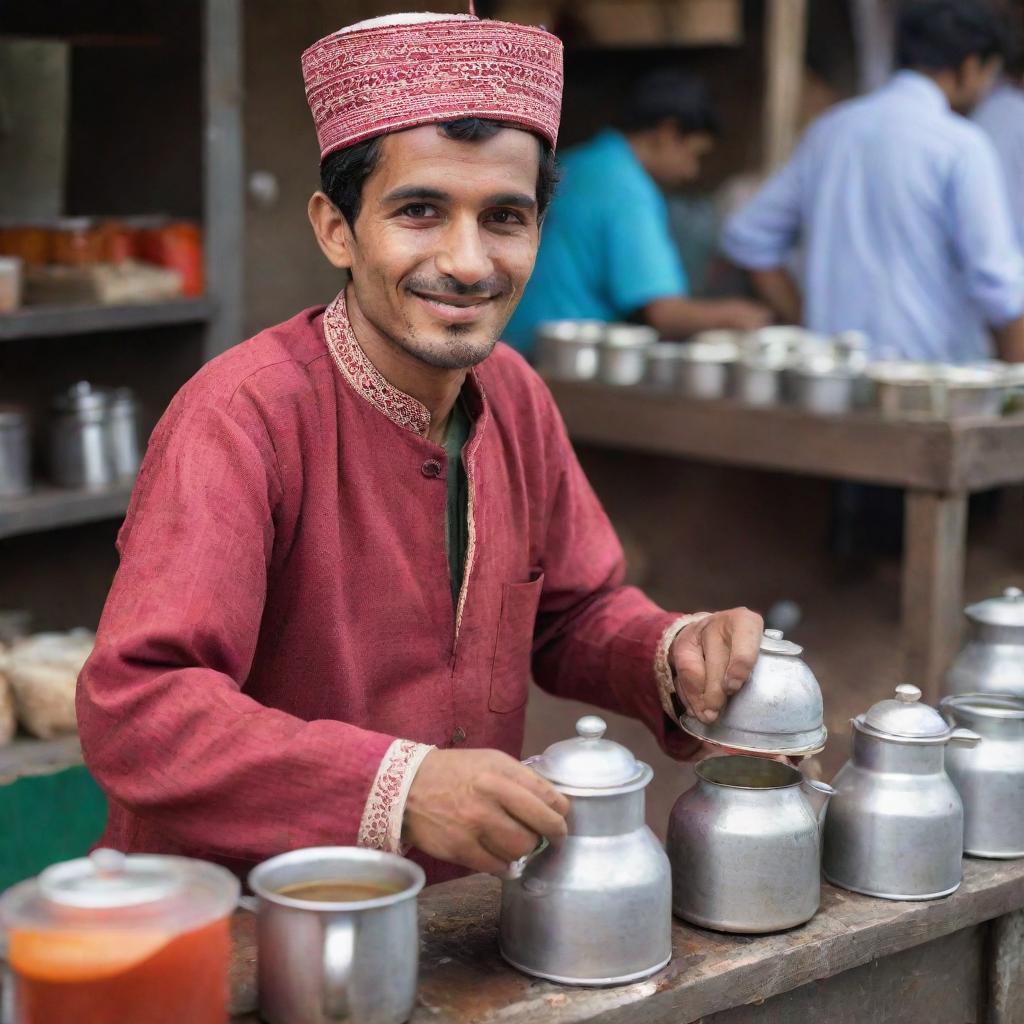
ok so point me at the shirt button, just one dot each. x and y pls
(459, 735)
(431, 468)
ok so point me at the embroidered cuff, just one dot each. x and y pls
(381, 824)
(663, 670)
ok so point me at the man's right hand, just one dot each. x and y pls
(481, 809)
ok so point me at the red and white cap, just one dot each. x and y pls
(404, 70)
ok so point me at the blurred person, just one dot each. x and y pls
(1001, 116)
(607, 251)
(900, 206)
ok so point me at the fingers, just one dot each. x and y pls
(745, 632)
(505, 838)
(475, 856)
(688, 662)
(715, 645)
(529, 811)
(539, 787)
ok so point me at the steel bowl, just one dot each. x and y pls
(824, 386)
(622, 356)
(934, 390)
(567, 349)
(706, 369)
(663, 363)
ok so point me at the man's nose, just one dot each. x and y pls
(463, 254)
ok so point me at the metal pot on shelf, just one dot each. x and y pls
(663, 364)
(15, 452)
(595, 909)
(992, 660)
(745, 846)
(990, 776)
(80, 448)
(779, 710)
(895, 827)
(622, 356)
(706, 368)
(567, 349)
(123, 433)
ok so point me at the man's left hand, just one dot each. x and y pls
(712, 657)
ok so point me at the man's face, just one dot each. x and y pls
(445, 241)
(974, 80)
(678, 156)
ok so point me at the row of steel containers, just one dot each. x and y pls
(775, 365)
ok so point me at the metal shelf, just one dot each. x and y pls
(49, 508)
(55, 321)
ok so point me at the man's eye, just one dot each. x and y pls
(417, 210)
(506, 217)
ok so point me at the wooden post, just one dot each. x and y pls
(224, 198)
(1006, 984)
(785, 41)
(935, 538)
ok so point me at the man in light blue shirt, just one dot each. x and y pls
(1001, 117)
(900, 206)
(606, 249)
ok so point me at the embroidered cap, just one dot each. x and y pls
(405, 70)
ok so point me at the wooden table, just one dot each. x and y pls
(939, 463)
(860, 960)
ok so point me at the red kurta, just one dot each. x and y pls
(282, 612)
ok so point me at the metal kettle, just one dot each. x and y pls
(990, 776)
(594, 909)
(992, 660)
(745, 846)
(895, 827)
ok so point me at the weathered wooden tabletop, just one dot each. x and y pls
(464, 981)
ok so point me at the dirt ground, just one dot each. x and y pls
(700, 537)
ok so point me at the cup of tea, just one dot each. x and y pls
(338, 936)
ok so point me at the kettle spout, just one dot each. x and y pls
(817, 795)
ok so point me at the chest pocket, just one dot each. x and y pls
(513, 643)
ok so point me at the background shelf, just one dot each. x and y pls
(50, 321)
(48, 508)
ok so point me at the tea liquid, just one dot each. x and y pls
(117, 977)
(331, 891)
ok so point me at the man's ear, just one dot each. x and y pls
(332, 231)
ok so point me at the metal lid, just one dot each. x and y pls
(81, 397)
(972, 706)
(905, 716)
(629, 335)
(108, 879)
(588, 761)
(1007, 610)
(773, 643)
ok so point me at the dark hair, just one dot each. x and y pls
(669, 94)
(343, 173)
(939, 35)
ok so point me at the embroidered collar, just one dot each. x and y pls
(365, 379)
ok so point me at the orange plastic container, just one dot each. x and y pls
(111, 939)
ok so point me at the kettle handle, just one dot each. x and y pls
(339, 950)
(964, 737)
(515, 870)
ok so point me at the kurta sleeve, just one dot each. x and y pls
(165, 724)
(597, 640)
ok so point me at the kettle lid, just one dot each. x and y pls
(1005, 610)
(905, 716)
(588, 761)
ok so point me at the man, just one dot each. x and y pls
(607, 251)
(355, 534)
(1001, 116)
(900, 206)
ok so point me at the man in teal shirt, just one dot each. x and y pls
(606, 251)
